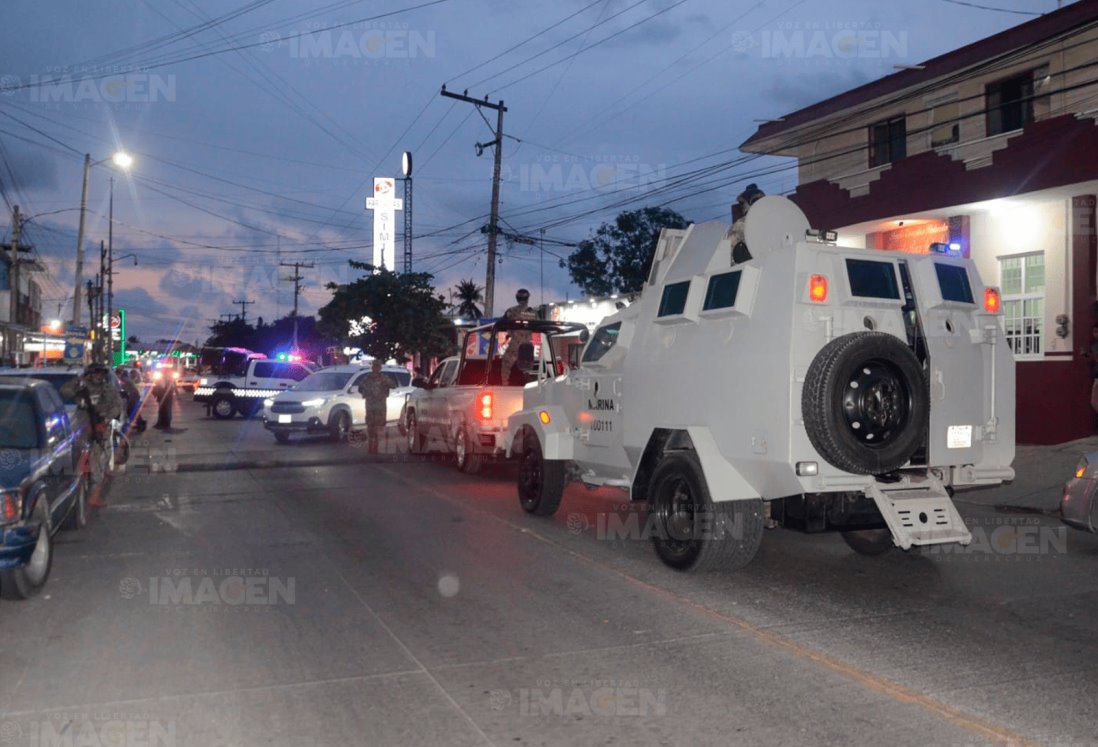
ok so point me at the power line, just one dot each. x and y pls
(998, 10)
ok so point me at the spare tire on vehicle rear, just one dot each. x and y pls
(866, 403)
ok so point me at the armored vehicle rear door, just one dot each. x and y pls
(969, 366)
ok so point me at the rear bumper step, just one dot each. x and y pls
(921, 513)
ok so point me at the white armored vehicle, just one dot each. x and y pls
(811, 385)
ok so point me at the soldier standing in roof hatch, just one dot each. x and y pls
(521, 310)
(747, 198)
(374, 388)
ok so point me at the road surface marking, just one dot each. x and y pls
(873, 682)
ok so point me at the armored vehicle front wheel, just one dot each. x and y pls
(692, 533)
(869, 541)
(540, 481)
(866, 403)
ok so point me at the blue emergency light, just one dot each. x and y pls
(941, 247)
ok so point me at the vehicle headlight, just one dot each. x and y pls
(314, 402)
(202, 382)
(268, 402)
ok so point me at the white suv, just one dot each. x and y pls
(328, 401)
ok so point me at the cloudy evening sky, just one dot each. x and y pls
(257, 127)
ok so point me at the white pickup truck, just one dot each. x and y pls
(244, 391)
(465, 404)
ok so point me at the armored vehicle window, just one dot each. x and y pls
(871, 279)
(721, 293)
(601, 342)
(953, 281)
(674, 298)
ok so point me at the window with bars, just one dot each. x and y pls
(1014, 102)
(887, 141)
(1022, 285)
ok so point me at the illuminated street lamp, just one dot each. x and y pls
(122, 160)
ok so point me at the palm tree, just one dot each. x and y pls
(468, 294)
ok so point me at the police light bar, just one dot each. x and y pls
(941, 247)
(820, 235)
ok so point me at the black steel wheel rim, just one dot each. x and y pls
(676, 513)
(530, 473)
(876, 402)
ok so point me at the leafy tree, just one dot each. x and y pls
(233, 333)
(617, 258)
(388, 315)
(468, 294)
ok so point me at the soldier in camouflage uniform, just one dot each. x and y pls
(95, 393)
(521, 310)
(374, 388)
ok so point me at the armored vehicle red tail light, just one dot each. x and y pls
(817, 288)
(991, 300)
(486, 405)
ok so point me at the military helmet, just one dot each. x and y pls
(522, 295)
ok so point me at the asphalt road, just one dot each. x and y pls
(389, 601)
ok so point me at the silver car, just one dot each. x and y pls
(1078, 508)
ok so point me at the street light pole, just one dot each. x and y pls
(122, 160)
(110, 277)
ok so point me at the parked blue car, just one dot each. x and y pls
(43, 482)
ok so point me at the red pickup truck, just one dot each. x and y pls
(466, 403)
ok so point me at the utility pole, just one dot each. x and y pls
(493, 220)
(296, 280)
(13, 279)
(80, 242)
(244, 309)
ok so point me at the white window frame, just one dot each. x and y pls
(1021, 298)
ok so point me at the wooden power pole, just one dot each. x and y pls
(493, 221)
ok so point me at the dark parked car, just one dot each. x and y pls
(43, 482)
